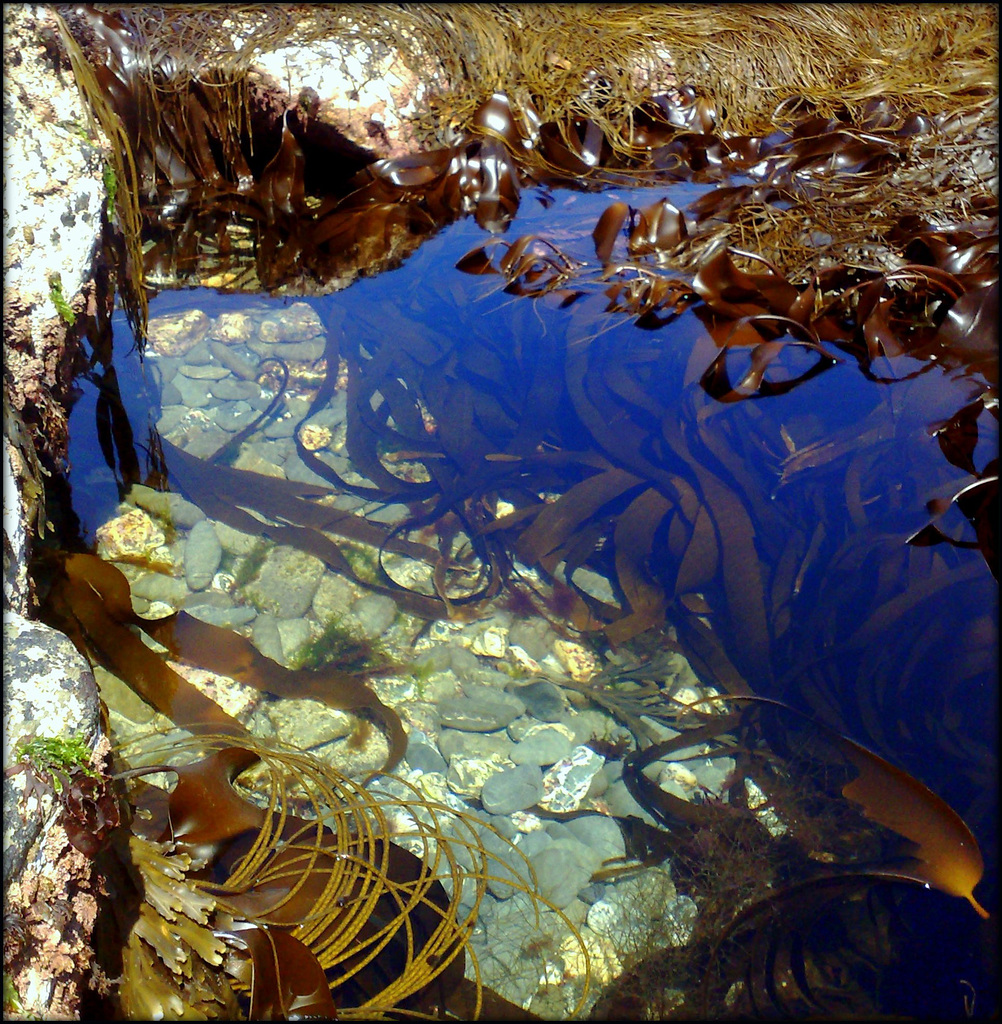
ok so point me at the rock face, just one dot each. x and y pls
(49, 692)
(53, 195)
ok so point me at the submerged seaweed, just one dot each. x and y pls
(648, 419)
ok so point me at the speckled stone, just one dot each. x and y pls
(567, 783)
(134, 535)
(286, 583)
(177, 333)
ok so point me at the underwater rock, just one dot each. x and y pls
(514, 789)
(480, 714)
(132, 536)
(543, 745)
(563, 868)
(176, 334)
(567, 783)
(202, 555)
(286, 584)
(299, 322)
(156, 587)
(304, 723)
(232, 328)
(374, 613)
(165, 505)
(542, 699)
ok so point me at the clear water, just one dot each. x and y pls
(916, 690)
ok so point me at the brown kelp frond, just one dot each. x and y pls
(89, 599)
(310, 890)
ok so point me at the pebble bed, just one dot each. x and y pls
(490, 730)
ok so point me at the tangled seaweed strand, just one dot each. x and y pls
(294, 880)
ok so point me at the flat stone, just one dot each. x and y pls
(543, 745)
(543, 700)
(563, 868)
(479, 714)
(515, 789)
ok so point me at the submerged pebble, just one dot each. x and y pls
(202, 555)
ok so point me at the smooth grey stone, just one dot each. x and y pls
(207, 443)
(182, 512)
(297, 470)
(534, 636)
(198, 355)
(235, 542)
(230, 390)
(531, 843)
(227, 356)
(194, 393)
(423, 757)
(167, 505)
(281, 428)
(206, 372)
(506, 863)
(472, 744)
(202, 555)
(235, 417)
(465, 663)
(543, 747)
(228, 618)
(593, 892)
(266, 636)
(154, 586)
(171, 414)
(392, 513)
(170, 397)
(620, 802)
(563, 869)
(600, 834)
(543, 700)
(503, 825)
(495, 694)
(166, 367)
(298, 351)
(475, 715)
(514, 789)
